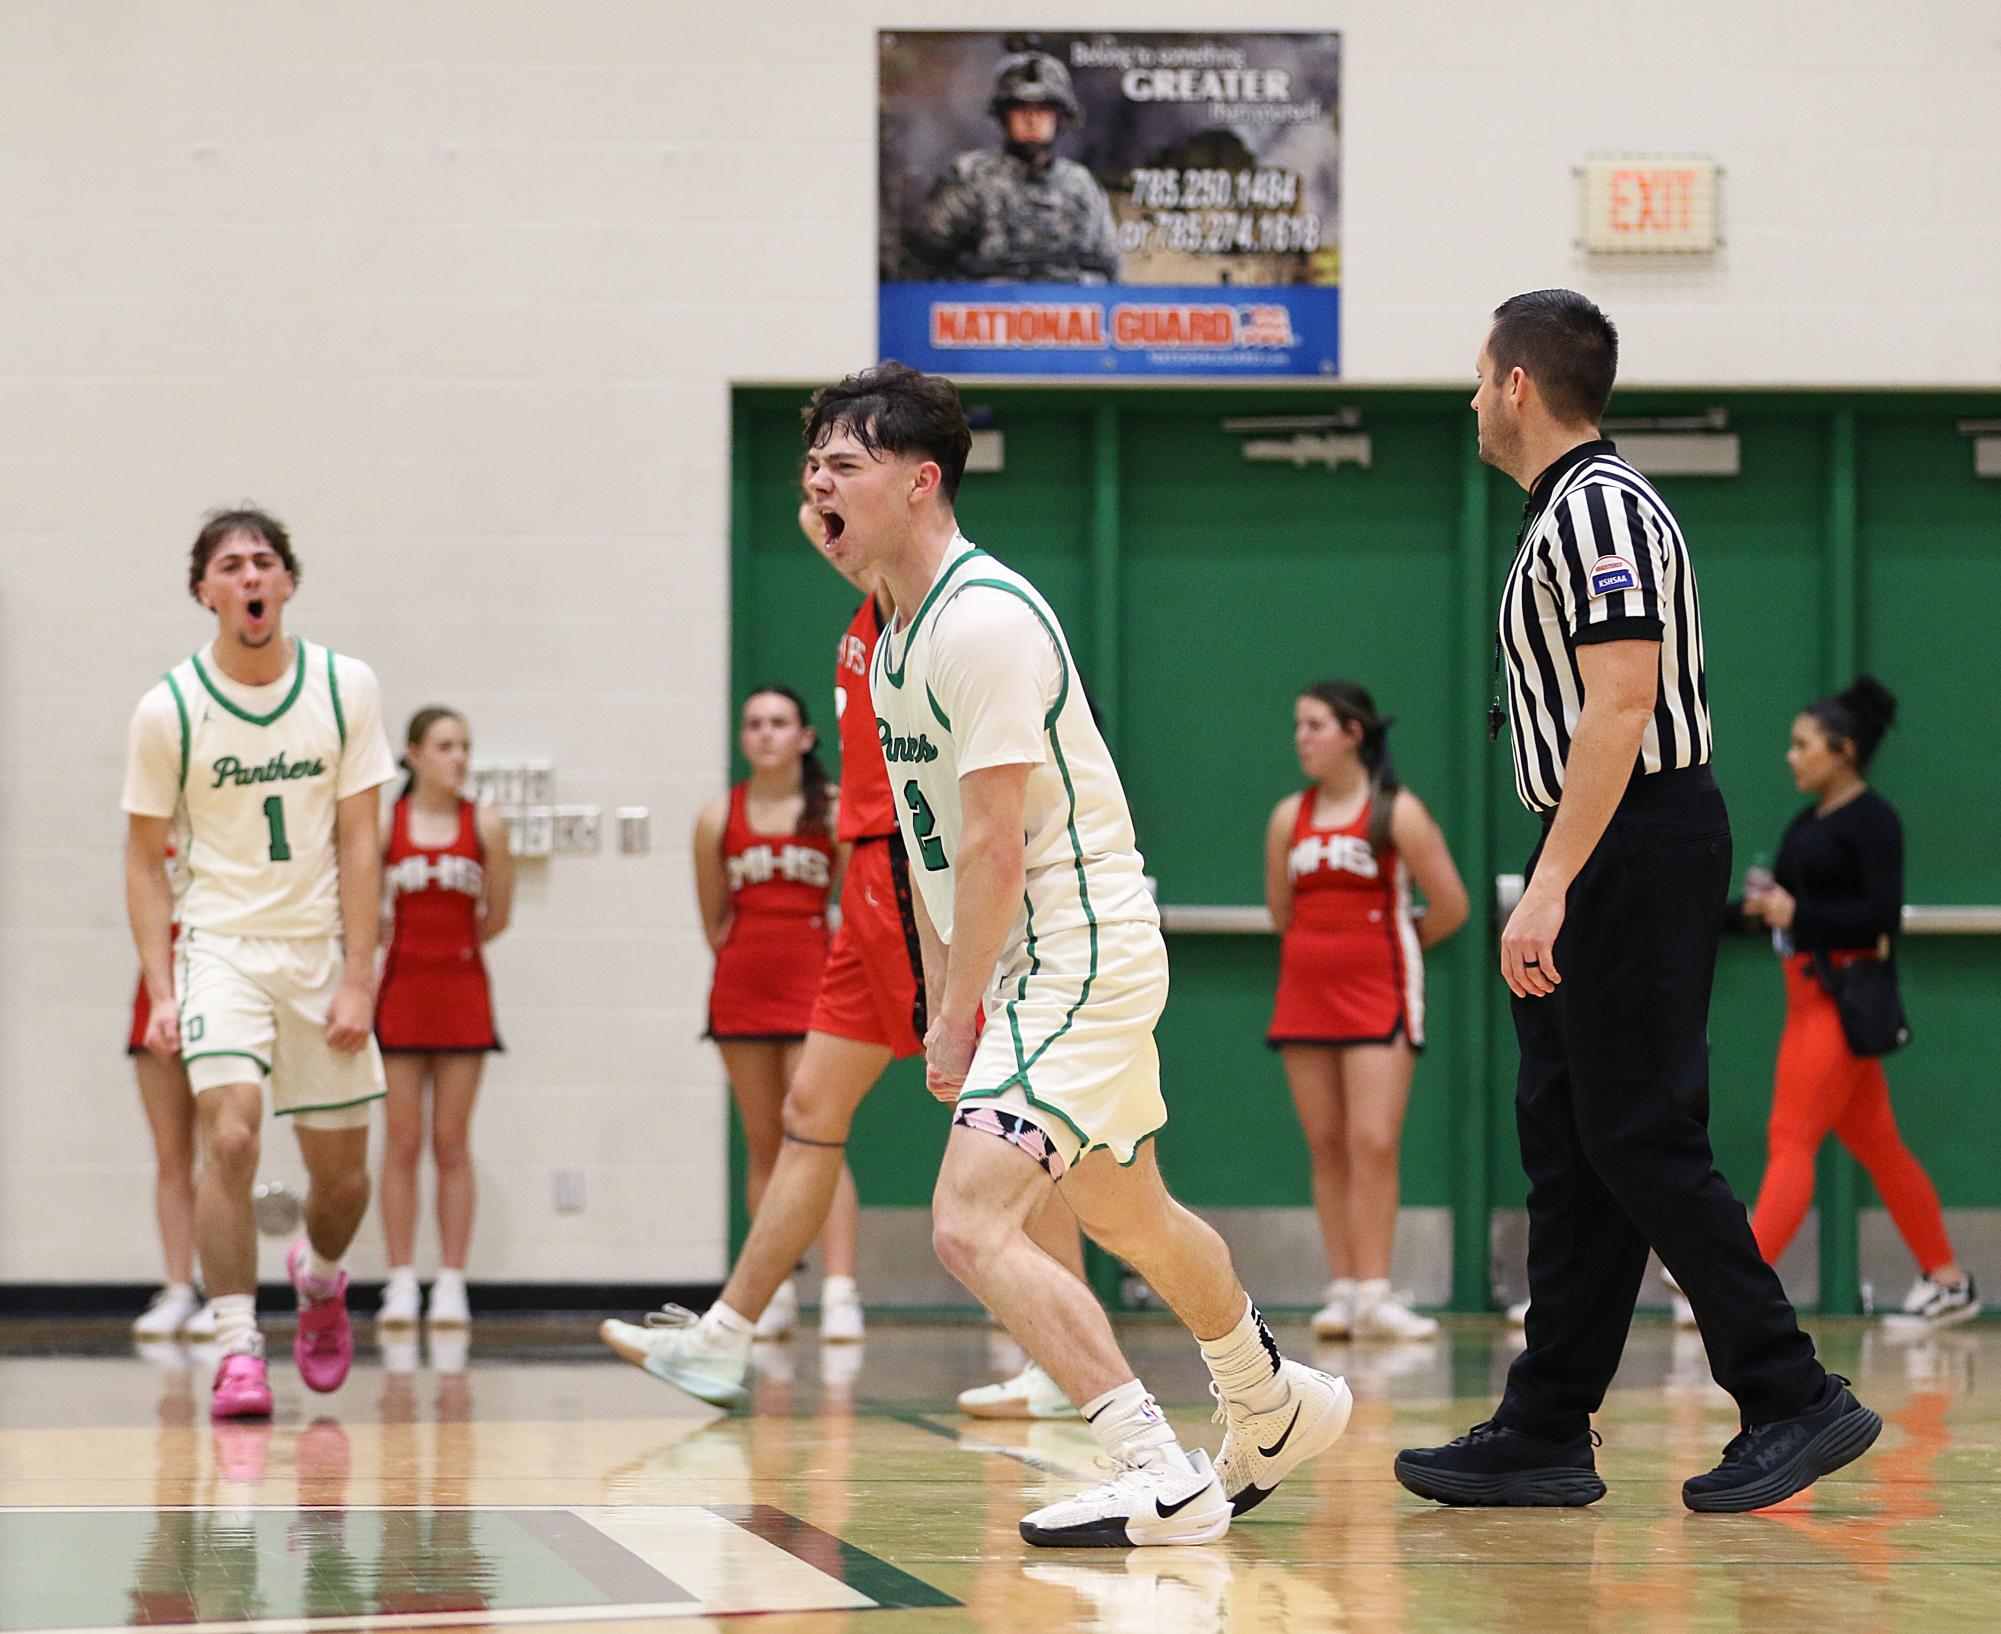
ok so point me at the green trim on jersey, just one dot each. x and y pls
(1090, 920)
(203, 1055)
(292, 697)
(333, 686)
(187, 731)
(931, 698)
(1124, 1162)
(893, 672)
(1062, 691)
(330, 1106)
(1029, 1096)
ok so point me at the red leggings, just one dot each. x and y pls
(1821, 1085)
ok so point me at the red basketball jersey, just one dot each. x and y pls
(436, 891)
(1337, 878)
(775, 873)
(867, 805)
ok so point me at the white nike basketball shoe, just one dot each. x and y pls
(1262, 1449)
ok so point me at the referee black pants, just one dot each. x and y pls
(1612, 1105)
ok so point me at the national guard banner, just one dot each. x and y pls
(1110, 203)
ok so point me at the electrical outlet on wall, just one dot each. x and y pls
(578, 830)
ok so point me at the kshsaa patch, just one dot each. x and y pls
(1610, 573)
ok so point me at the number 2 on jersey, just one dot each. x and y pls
(924, 825)
(274, 818)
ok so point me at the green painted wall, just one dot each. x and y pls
(1199, 591)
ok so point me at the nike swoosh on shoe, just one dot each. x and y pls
(1278, 1446)
(1165, 1510)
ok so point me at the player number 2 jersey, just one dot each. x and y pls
(256, 774)
(981, 676)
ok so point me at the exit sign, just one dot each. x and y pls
(1650, 205)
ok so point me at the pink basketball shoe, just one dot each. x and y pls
(323, 1346)
(242, 1388)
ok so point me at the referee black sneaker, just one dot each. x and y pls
(1494, 1464)
(1770, 1462)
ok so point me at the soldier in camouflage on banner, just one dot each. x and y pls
(1021, 215)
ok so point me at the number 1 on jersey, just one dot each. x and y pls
(925, 825)
(274, 818)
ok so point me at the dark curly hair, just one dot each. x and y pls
(219, 525)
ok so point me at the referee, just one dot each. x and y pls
(1610, 956)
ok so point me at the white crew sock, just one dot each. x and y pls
(1130, 1426)
(838, 1290)
(319, 1267)
(728, 1327)
(401, 1276)
(450, 1276)
(1244, 1362)
(1370, 1293)
(236, 1325)
(179, 1291)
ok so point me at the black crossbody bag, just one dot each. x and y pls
(1865, 993)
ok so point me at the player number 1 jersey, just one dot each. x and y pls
(256, 774)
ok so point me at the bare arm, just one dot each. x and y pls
(149, 905)
(1425, 853)
(931, 949)
(988, 877)
(712, 886)
(499, 904)
(1621, 681)
(358, 857)
(1279, 893)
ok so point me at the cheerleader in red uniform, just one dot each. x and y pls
(1340, 861)
(764, 876)
(450, 877)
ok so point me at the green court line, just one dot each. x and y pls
(890, 1587)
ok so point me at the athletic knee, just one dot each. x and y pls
(965, 1238)
(231, 1146)
(344, 1188)
(1328, 1148)
(1373, 1149)
(813, 1115)
(451, 1151)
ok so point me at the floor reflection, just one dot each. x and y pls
(524, 1479)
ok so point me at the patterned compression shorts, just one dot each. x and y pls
(1016, 1131)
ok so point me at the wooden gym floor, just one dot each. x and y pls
(539, 1483)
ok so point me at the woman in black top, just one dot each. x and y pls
(1837, 893)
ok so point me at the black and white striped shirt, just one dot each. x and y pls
(1599, 559)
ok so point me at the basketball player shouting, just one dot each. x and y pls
(1022, 851)
(272, 750)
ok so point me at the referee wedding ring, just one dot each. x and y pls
(1531, 963)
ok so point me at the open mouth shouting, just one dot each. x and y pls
(835, 525)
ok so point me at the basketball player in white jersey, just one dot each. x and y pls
(270, 751)
(1022, 849)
